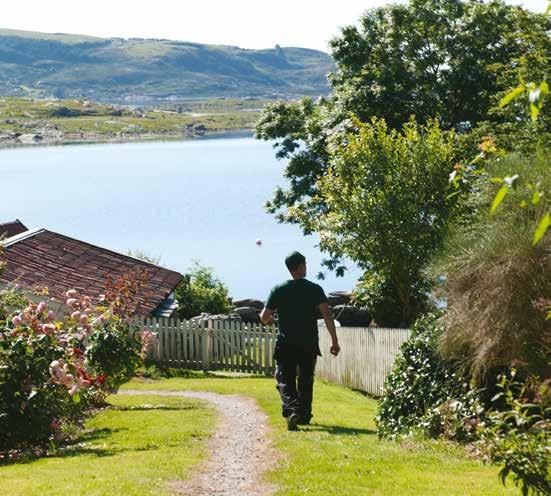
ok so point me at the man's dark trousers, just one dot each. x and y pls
(296, 399)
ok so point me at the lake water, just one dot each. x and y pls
(200, 199)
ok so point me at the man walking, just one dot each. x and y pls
(297, 302)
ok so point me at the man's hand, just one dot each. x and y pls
(267, 316)
(330, 325)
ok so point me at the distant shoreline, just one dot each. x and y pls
(97, 139)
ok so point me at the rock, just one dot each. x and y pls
(339, 298)
(249, 302)
(248, 314)
(207, 316)
(30, 138)
(350, 316)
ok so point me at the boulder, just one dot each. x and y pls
(249, 302)
(207, 316)
(339, 298)
(350, 316)
(248, 314)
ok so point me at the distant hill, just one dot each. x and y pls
(68, 66)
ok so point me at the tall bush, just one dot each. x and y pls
(496, 282)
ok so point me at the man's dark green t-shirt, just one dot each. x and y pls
(296, 302)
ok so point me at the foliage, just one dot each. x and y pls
(54, 367)
(495, 282)
(441, 59)
(387, 210)
(425, 393)
(518, 435)
(201, 291)
(114, 353)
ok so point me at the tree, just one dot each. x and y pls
(388, 209)
(444, 59)
(201, 291)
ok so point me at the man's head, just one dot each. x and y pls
(296, 263)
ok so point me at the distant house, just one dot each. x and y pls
(39, 258)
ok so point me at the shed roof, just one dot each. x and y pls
(41, 258)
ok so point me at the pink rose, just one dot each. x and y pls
(41, 307)
(16, 321)
(48, 328)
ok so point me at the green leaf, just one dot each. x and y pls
(544, 87)
(499, 198)
(496, 180)
(543, 225)
(536, 197)
(523, 204)
(534, 111)
(511, 96)
(76, 398)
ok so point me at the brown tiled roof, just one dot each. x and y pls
(42, 258)
(9, 229)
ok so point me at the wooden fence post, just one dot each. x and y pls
(206, 347)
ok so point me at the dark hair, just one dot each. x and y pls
(293, 260)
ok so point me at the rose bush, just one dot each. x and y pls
(53, 368)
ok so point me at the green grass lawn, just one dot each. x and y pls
(340, 453)
(143, 442)
(134, 448)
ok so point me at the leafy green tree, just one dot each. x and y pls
(201, 291)
(444, 59)
(387, 210)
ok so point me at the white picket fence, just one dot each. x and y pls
(366, 357)
(213, 345)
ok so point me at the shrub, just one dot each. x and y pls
(518, 433)
(52, 369)
(425, 393)
(496, 282)
(201, 291)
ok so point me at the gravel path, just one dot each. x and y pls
(240, 450)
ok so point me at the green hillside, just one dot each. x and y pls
(68, 66)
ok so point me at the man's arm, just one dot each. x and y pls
(330, 324)
(267, 316)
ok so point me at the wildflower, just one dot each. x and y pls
(75, 315)
(41, 307)
(16, 321)
(72, 293)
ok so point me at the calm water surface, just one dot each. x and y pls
(200, 199)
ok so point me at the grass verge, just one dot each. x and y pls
(134, 448)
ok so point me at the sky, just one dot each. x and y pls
(245, 23)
